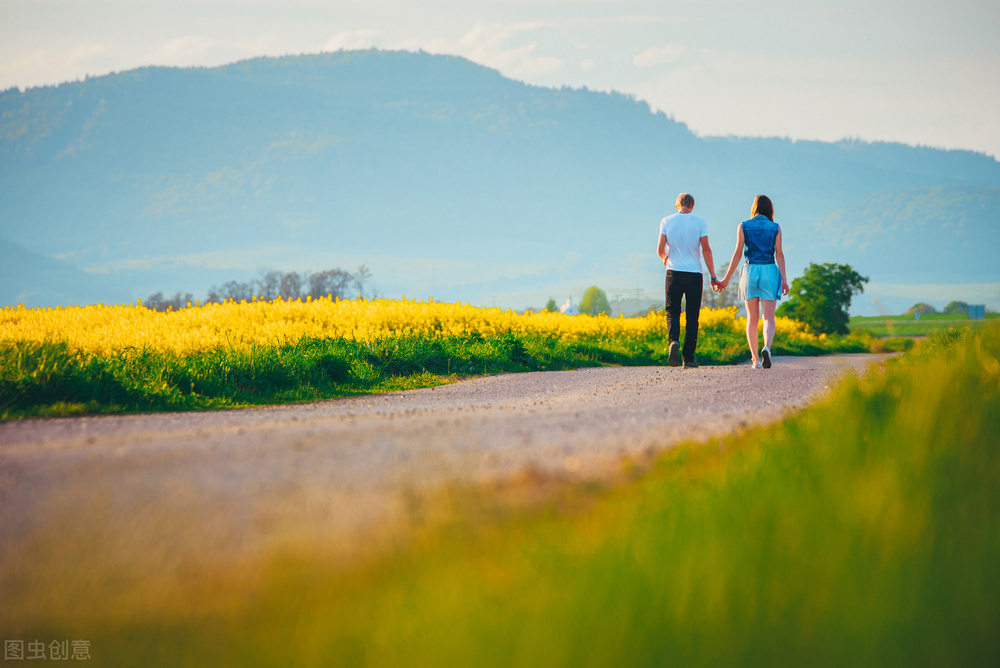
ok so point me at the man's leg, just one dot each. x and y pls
(674, 291)
(692, 291)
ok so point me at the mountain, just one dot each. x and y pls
(448, 180)
(36, 280)
(913, 228)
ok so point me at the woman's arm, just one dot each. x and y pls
(779, 257)
(736, 258)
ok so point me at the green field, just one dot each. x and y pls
(863, 531)
(907, 325)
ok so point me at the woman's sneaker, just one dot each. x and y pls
(766, 355)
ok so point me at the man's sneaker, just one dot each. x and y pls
(766, 355)
(675, 357)
(690, 364)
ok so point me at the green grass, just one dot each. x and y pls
(48, 379)
(907, 325)
(863, 531)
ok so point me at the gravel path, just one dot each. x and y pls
(168, 489)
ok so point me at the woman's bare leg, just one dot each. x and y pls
(769, 323)
(753, 315)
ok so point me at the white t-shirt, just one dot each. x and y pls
(684, 232)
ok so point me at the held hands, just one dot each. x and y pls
(719, 286)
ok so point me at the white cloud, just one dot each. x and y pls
(352, 39)
(803, 97)
(514, 50)
(659, 55)
(264, 45)
(73, 62)
(200, 50)
(86, 52)
(588, 64)
(187, 50)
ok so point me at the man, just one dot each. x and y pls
(683, 241)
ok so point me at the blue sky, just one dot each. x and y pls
(915, 71)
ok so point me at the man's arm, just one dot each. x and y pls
(662, 249)
(706, 251)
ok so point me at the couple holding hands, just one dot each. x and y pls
(684, 240)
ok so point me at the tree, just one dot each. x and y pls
(595, 301)
(956, 308)
(233, 290)
(290, 286)
(551, 306)
(332, 282)
(269, 284)
(361, 278)
(821, 296)
(921, 308)
(158, 302)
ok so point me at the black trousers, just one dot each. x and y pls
(685, 284)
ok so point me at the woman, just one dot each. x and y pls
(762, 281)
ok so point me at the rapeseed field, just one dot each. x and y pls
(127, 358)
(111, 329)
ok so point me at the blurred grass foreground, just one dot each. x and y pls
(115, 359)
(863, 531)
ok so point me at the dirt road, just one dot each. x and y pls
(165, 490)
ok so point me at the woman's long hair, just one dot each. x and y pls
(762, 207)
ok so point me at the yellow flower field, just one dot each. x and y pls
(107, 329)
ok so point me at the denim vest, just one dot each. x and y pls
(759, 234)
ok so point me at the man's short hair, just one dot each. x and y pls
(684, 199)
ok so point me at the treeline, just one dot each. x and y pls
(953, 308)
(273, 284)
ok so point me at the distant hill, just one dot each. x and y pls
(446, 179)
(35, 280)
(924, 234)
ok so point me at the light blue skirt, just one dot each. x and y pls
(760, 281)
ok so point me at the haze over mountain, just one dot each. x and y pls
(450, 181)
